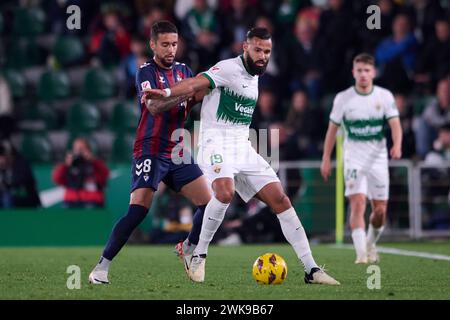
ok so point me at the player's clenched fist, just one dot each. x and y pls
(396, 152)
(152, 94)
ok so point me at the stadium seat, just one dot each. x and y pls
(28, 21)
(68, 50)
(53, 85)
(123, 147)
(83, 117)
(16, 83)
(24, 53)
(47, 114)
(125, 117)
(38, 117)
(98, 85)
(37, 148)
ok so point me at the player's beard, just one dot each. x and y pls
(253, 67)
(166, 62)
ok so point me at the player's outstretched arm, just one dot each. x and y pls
(187, 87)
(330, 140)
(156, 106)
(396, 130)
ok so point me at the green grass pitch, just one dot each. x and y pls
(153, 272)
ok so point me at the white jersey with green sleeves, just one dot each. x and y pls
(227, 110)
(363, 117)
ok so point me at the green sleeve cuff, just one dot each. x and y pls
(336, 123)
(396, 116)
(212, 85)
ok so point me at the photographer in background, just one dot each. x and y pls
(17, 184)
(83, 176)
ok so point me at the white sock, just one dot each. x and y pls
(373, 234)
(213, 217)
(103, 264)
(295, 234)
(359, 241)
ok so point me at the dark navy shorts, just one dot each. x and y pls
(148, 172)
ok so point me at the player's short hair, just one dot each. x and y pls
(258, 32)
(162, 26)
(364, 58)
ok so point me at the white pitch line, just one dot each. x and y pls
(401, 252)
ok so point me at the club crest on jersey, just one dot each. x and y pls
(161, 79)
(217, 169)
(146, 85)
(179, 77)
(215, 69)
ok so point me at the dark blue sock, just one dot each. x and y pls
(196, 225)
(123, 229)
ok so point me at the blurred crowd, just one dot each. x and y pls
(58, 84)
(314, 43)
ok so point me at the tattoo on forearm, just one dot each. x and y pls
(157, 106)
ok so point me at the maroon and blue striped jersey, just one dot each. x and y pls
(154, 133)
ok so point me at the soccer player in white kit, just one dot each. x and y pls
(362, 110)
(226, 156)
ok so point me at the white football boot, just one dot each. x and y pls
(98, 277)
(361, 260)
(318, 276)
(196, 270)
(184, 252)
(372, 254)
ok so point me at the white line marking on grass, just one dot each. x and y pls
(401, 252)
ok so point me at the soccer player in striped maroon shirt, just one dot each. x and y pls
(156, 147)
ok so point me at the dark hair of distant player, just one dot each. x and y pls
(162, 26)
(364, 58)
(261, 33)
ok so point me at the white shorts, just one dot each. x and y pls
(243, 164)
(373, 181)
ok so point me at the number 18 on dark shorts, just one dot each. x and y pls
(148, 172)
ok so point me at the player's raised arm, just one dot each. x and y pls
(396, 130)
(156, 105)
(336, 118)
(158, 100)
(187, 87)
(330, 140)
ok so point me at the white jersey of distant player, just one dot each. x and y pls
(228, 109)
(365, 154)
(363, 118)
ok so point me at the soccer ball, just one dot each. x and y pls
(269, 268)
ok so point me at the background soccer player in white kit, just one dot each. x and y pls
(226, 156)
(362, 110)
